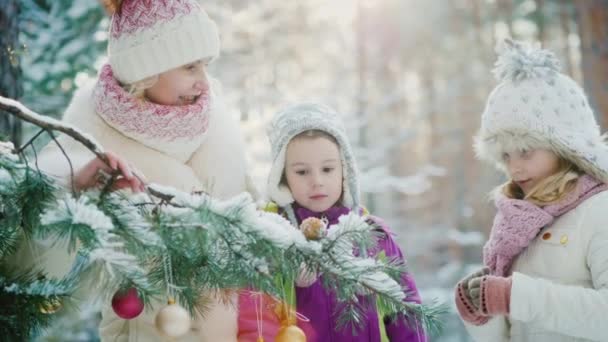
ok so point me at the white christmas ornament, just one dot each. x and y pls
(173, 320)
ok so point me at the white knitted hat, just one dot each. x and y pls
(294, 120)
(148, 37)
(535, 106)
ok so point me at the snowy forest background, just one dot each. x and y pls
(410, 77)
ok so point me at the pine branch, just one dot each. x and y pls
(20, 111)
(49, 124)
(212, 244)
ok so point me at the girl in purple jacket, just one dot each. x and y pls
(314, 175)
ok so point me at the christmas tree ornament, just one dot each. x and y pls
(289, 331)
(313, 228)
(50, 306)
(127, 304)
(173, 320)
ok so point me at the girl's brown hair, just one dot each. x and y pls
(310, 134)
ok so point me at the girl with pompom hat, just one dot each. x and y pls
(546, 261)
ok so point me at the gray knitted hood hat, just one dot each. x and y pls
(293, 120)
(536, 106)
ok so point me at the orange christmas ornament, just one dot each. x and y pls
(313, 228)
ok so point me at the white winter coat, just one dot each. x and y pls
(218, 167)
(560, 282)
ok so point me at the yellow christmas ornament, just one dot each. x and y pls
(173, 320)
(313, 228)
(289, 331)
(50, 306)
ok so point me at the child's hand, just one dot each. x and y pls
(91, 174)
(464, 303)
(467, 282)
(496, 293)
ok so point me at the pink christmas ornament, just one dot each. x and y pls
(127, 304)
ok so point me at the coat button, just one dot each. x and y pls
(546, 236)
(564, 239)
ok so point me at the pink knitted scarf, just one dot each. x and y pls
(518, 222)
(139, 117)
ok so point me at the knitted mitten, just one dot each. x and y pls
(490, 294)
(467, 310)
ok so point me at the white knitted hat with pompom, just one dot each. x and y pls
(536, 106)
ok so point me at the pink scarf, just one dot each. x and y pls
(518, 222)
(170, 129)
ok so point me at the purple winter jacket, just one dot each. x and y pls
(319, 305)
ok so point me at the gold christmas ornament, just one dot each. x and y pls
(290, 333)
(313, 228)
(50, 306)
(173, 320)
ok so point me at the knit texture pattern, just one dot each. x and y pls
(536, 106)
(148, 37)
(144, 14)
(518, 222)
(165, 128)
(300, 118)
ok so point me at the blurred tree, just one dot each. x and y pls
(10, 68)
(592, 18)
(64, 38)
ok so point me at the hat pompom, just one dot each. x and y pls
(517, 62)
(111, 6)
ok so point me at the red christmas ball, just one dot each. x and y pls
(127, 304)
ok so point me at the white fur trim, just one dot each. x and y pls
(295, 120)
(280, 194)
(589, 155)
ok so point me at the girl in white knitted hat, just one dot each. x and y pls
(314, 175)
(155, 104)
(546, 274)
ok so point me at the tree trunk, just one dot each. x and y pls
(504, 9)
(540, 22)
(565, 15)
(592, 19)
(10, 70)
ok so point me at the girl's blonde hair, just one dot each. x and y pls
(138, 89)
(550, 189)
